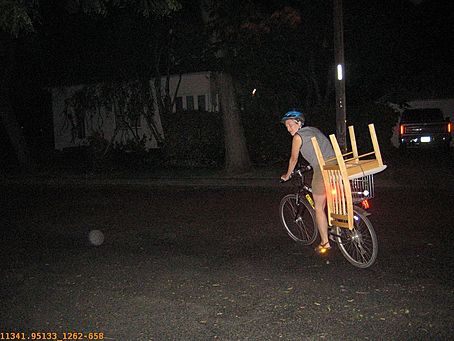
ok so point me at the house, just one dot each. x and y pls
(82, 112)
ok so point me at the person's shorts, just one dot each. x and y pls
(318, 186)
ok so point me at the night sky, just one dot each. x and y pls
(388, 45)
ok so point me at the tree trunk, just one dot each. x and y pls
(236, 153)
(15, 134)
(7, 115)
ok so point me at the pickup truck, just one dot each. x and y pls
(424, 127)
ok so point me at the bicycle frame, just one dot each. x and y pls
(303, 188)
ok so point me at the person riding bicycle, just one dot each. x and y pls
(301, 143)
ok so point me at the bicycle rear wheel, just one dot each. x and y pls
(298, 219)
(359, 245)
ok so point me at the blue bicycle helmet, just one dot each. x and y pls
(293, 115)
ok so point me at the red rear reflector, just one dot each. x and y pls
(365, 204)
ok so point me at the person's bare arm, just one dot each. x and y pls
(296, 145)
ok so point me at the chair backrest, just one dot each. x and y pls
(337, 187)
(338, 171)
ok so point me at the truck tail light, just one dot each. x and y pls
(449, 127)
(402, 129)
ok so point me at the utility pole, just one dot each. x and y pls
(341, 116)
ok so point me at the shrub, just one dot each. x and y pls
(193, 139)
(267, 139)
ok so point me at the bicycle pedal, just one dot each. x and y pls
(331, 234)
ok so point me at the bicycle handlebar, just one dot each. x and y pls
(305, 168)
(299, 171)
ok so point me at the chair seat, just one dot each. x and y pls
(363, 168)
(360, 168)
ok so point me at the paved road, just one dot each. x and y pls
(214, 263)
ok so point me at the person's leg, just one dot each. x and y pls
(318, 191)
(320, 218)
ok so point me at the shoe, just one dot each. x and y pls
(322, 249)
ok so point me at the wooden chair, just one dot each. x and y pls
(348, 177)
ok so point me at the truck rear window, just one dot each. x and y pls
(421, 115)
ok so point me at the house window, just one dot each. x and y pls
(179, 104)
(201, 103)
(189, 102)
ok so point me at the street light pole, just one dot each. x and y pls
(341, 116)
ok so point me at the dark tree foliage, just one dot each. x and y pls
(122, 44)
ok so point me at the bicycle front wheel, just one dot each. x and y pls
(298, 219)
(359, 245)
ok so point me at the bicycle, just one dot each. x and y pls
(358, 245)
